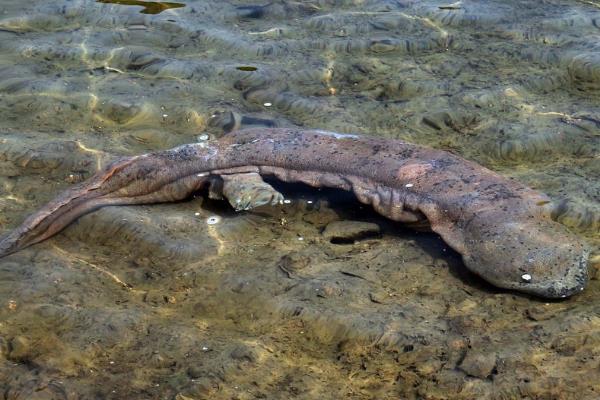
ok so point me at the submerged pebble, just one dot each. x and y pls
(478, 363)
(20, 349)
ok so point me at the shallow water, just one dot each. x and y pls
(154, 302)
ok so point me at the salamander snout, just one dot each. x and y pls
(539, 257)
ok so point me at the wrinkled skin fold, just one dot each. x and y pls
(502, 229)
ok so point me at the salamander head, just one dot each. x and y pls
(539, 257)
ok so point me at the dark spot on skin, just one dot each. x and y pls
(185, 153)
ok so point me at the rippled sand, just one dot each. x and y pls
(160, 302)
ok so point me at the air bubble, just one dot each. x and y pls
(213, 220)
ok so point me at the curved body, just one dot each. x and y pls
(502, 228)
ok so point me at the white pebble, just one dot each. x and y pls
(202, 137)
(197, 214)
(526, 277)
(286, 201)
(165, 115)
(409, 185)
(267, 104)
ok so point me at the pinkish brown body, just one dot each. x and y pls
(502, 229)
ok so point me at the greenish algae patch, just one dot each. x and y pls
(150, 7)
(246, 68)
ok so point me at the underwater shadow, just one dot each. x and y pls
(347, 206)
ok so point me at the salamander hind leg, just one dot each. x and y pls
(245, 191)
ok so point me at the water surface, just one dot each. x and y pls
(155, 302)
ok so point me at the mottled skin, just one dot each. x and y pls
(502, 229)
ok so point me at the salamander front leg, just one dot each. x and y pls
(245, 191)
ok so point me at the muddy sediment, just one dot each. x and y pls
(318, 297)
